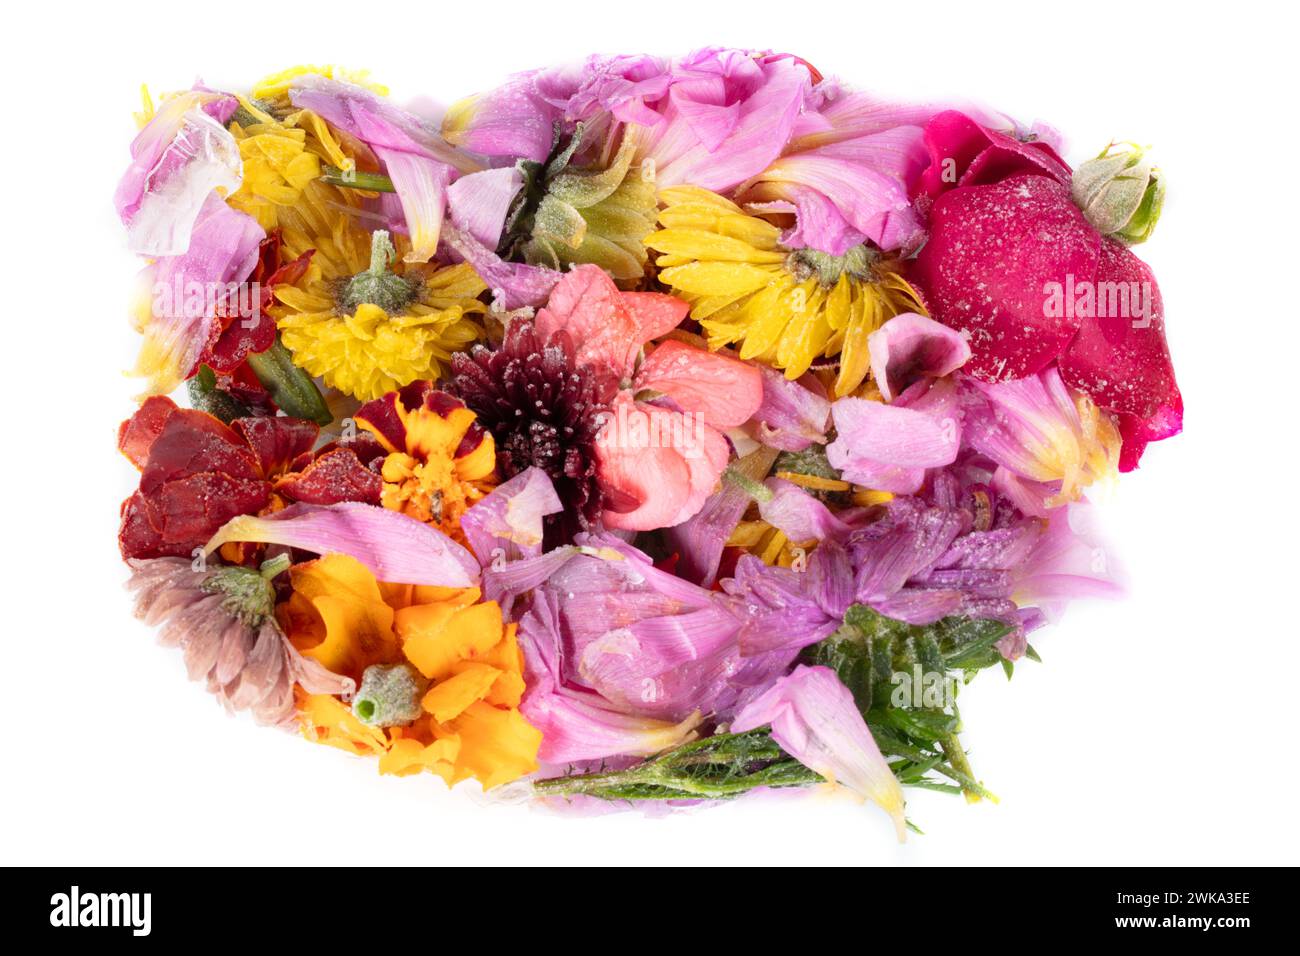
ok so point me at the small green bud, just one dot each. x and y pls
(1121, 193)
(389, 695)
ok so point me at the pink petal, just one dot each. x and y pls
(889, 447)
(723, 391)
(815, 720)
(798, 514)
(177, 160)
(792, 415)
(911, 347)
(478, 203)
(510, 518)
(654, 313)
(656, 466)
(395, 548)
(421, 185)
(762, 128)
(587, 305)
(222, 251)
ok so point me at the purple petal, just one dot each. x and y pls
(514, 285)
(395, 548)
(792, 416)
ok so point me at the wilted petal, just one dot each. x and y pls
(656, 467)
(510, 518)
(394, 547)
(177, 160)
(814, 719)
(512, 120)
(176, 314)
(514, 285)
(758, 127)
(699, 541)
(911, 347)
(479, 202)
(1043, 433)
(965, 153)
(1068, 561)
(798, 514)
(791, 416)
(587, 305)
(421, 185)
(889, 447)
(865, 179)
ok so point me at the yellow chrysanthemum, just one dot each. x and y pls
(786, 307)
(368, 343)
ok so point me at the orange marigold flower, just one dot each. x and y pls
(468, 660)
(440, 460)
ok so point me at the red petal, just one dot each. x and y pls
(179, 516)
(137, 434)
(992, 251)
(276, 441)
(335, 476)
(192, 443)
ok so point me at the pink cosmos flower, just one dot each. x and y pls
(661, 451)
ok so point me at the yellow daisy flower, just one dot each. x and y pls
(786, 307)
(362, 327)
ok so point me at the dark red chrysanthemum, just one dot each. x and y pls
(543, 411)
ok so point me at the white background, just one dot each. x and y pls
(1160, 729)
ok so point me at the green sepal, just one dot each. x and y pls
(291, 388)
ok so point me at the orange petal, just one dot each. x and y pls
(450, 698)
(436, 637)
(357, 623)
(497, 745)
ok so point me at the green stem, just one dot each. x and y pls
(355, 179)
(291, 388)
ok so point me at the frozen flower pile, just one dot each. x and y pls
(646, 430)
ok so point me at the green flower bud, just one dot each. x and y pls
(1121, 193)
(389, 695)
